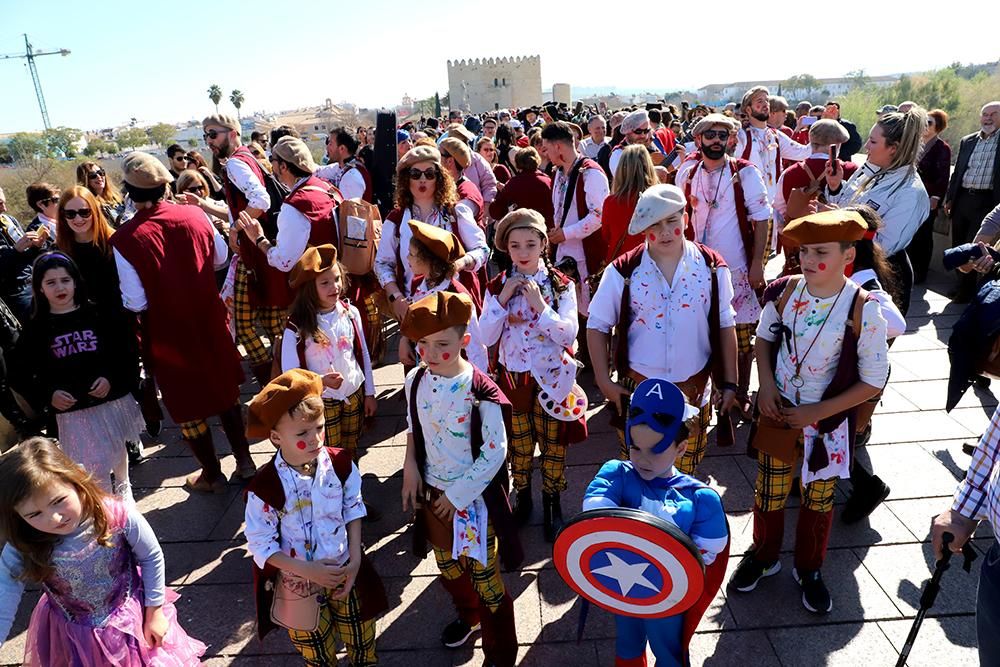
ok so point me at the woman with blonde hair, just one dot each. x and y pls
(635, 173)
(486, 148)
(193, 188)
(93, 177)
(889, 183)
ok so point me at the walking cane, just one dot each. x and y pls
(930, 593)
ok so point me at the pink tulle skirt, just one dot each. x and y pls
(53, 640)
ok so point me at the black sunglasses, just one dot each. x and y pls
(47, 201)
(99, 173)
(644, 130)
(212, 134)
(713, 134)
(70, 214)
(429, 174)
(195, 188)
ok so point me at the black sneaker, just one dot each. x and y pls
(457, 633)
(864, 500)
(815, 597)
(134, 450)
(862, 438)
(750, 571)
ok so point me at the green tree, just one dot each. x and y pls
(858, 78)
(236, 97)
(59, 141)
(132, 137)
(215, 94)
(25, 146)
(162, 134)
(192, 143)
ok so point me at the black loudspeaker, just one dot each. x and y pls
(384, 161)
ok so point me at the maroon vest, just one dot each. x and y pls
(468, 190)
(746, 224)
(316, 200)
(268, 285)
(192, 355)
(266, 485)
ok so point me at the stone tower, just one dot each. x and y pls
(485, 84)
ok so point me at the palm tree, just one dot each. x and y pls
(236, 97)
(215, 94)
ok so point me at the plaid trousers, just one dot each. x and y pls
(774, 482)
(697, 442)
(193, 430)
(373, 329)
(539, 427)
(338, 619)
(744, 337)
(344, 420)
(246, 319)
(485, 578)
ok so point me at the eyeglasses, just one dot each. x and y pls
(48, 200)
(641, 130)
(721, 135)
(196, 189)
(428, 174)
(212, 134)
(99, 173)
(70, 214)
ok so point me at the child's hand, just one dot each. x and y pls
(411, 485)
(333, 380)
(371, 406)
(349, 574)
(803, 415)
(322, 572)
(443, 508)
(100, 388)
(533, 294)
(406, 355)
(769, 401)
(62, 400)
(510, 288)
(155, 627)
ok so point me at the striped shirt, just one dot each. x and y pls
(979, 172)
(978, 495)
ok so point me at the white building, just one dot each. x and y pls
(479, 85)
(722, 93)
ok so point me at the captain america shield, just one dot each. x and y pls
(630, 563)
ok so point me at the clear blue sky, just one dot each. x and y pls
(155, 60)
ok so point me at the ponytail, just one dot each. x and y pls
(869, 254)
(905, 131)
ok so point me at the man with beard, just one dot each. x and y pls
(636, 129)
(344, 170)
(728, 209)
(260, 293)
(764, 146)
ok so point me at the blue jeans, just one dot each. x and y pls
(663, 635)
(988, 608)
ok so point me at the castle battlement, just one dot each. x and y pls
(483, 84)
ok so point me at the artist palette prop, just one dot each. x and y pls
(570, 409)
(630, 563)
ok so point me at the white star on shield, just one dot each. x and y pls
(627, 575)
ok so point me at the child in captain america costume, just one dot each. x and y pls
(656, 436)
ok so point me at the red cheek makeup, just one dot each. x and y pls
(821, 266)
(446, 356)
(300, 444)
(677, 231)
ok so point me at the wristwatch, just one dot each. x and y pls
(394, 296)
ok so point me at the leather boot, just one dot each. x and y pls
(149, 405)
(210, 478)
(551, 516)
(499, 633)
(262, 372)
(523, 505)
(232, 425)
(811, 536)
(768, 532)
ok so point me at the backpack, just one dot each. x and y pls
(358, 246)
(799, 198)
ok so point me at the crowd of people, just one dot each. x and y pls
(525, 252)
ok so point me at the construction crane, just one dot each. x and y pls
(30, 54)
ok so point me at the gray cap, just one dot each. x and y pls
(657, 203)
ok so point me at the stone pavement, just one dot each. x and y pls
(875, 570)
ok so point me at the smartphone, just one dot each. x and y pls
(808, 120)
(833, 158)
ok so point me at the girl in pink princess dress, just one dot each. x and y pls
(97, 561)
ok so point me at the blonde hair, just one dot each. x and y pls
(310, 407)
(635, 172)
(190, 177)
(102, 230)
(905, 131)
(109, 195)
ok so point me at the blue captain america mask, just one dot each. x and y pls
(661, 406)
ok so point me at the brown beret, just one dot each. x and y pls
(314, 261)
(419, 154)
(436, 312)
(294, 151)
(278, 397)
(221, 120)
(457, 149)
(521, 218)
(461, 132)
(142, 170)
(837, 225)
(441, 242)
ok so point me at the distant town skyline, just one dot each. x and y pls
(154, 64)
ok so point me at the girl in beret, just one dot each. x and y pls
(324, 335)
